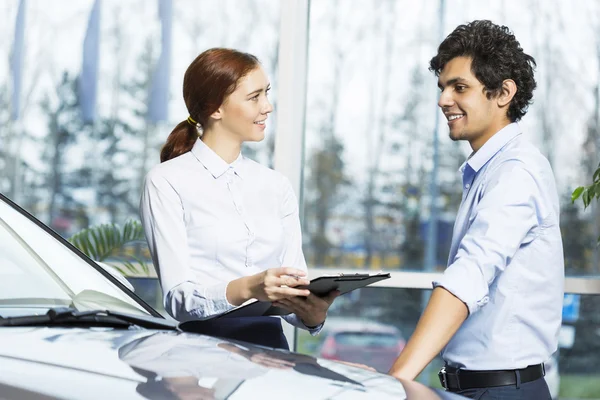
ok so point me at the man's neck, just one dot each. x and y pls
(478, 142)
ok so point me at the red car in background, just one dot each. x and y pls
(361, 341)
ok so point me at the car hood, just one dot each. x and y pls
(78, 363)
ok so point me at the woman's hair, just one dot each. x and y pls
(496, 55)
(207, 82)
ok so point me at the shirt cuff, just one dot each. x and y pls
(189, 300)
(294, 320)
(459, 283)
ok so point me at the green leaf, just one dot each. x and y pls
(596, 190)
(101, 241)
(596, 177)
(577, 193)
(587, 197)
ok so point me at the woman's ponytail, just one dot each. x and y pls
(180, 141)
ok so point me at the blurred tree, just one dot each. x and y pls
(326, 164)
(61, 178)
(123, 141)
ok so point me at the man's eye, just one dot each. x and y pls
(460, 88)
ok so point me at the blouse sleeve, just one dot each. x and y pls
(162, 216)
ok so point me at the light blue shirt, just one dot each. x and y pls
(506, 260)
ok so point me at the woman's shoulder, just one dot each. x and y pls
(264, 173)
(172, 169)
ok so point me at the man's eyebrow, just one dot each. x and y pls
(452, 81)
(259, 90)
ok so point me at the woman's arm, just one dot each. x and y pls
(162, 215)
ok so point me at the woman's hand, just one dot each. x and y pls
(270, 285)
(312, 310)
(278, 283)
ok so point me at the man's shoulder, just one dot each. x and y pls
(520, 153)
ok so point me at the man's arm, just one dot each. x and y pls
(442, 317)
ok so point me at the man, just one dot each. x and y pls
(496, 311)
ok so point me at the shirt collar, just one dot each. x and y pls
(492, 146)
(214, 163)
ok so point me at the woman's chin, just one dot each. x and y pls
(255, 137)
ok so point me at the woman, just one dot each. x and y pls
(221, 228)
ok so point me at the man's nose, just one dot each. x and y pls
(445, 99)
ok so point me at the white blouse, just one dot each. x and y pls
(208, 222)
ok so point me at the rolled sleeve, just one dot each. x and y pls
(505, 218)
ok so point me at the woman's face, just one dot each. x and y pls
(245, 111)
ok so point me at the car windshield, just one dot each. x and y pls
(38, 272)
(367, 339)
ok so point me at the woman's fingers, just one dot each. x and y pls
(292, 281)
(295, 305)
(282, 292)
(288, 271)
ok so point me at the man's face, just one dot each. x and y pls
(471, 115)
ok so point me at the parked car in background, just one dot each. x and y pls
(71, 330)
(361, 341)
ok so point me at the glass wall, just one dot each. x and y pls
(375, 194)
(74, 168)
(371, 171)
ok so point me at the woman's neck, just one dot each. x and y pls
(226, 147)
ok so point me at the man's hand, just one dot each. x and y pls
(312, 310)
(442, 317)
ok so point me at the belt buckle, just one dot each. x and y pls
(443, 378)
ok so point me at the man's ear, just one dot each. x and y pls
(509, 89)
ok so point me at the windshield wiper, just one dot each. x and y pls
(64, 316)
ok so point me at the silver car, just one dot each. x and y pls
(70, 329)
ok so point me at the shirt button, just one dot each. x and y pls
(467, 186)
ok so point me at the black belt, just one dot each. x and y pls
(458, 379)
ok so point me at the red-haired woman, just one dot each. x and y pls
(221, 228)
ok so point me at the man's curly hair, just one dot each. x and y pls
(496, 55)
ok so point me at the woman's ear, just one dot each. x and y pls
(217, 115)
(509, 89)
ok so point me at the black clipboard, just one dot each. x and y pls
(343, 282)
(319, 286)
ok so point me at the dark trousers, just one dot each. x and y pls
(264, 331)
(534, 390)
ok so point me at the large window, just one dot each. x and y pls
(73, 173)
(376, 194)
